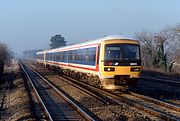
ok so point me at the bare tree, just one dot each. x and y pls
(166, 43)
(149, 48)
(176, 52)
(3, 57)
(158, 49)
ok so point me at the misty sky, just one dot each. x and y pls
(29, 24)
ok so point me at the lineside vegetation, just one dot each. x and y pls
(160, 50)
(5, 56)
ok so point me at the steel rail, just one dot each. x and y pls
(87, 92)
(104, 101)
(128, 101)
(74, 105)
(155, 101)
(162, 80)
(45, 110)
(122, 98)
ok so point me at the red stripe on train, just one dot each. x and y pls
(69, 65)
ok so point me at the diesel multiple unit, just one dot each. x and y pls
(108, 62)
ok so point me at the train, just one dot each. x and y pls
(109, 62)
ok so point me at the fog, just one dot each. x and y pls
(30, 24)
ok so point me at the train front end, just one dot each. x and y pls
(120, 63)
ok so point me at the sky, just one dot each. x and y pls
(29, 24)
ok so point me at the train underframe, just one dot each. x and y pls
(119, 81)
(84, 77)
(107, 83)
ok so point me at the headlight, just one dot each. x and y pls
(135, 69)
(109, 69)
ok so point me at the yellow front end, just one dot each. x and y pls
(115, 73)
(121, 71)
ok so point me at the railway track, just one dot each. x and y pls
(155, 101)
(149, 105)
(54, 104)
(167, 81)
(101, 98)
(152, 106)
(163, 89)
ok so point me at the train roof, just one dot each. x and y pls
(116, 37)
(95, 41)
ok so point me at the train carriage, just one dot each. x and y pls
(107, 62)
